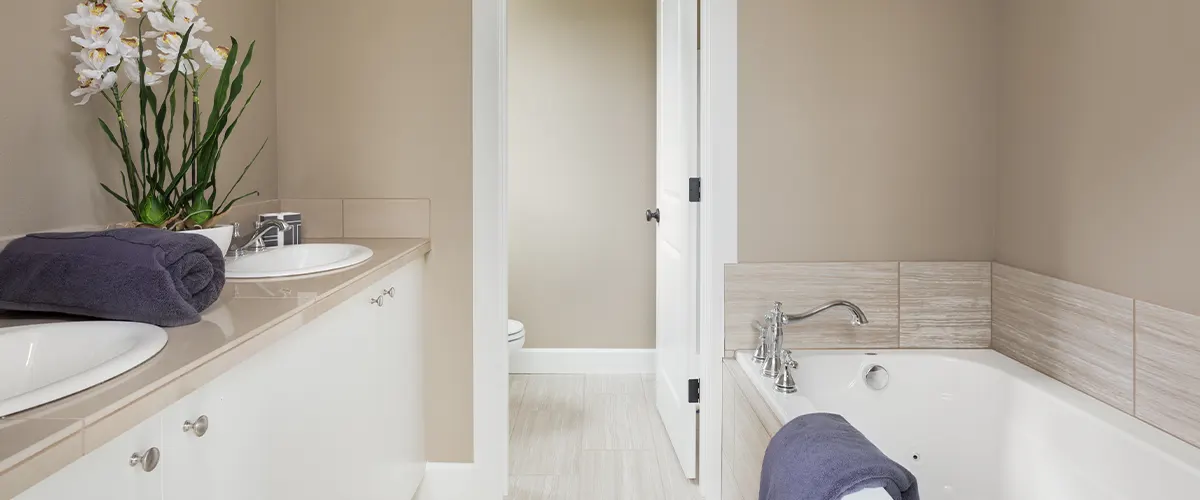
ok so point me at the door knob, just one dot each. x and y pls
(198, 427)
(148, 460)
(653, 215)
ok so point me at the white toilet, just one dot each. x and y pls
(516, 335)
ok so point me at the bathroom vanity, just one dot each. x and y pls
(302, 388)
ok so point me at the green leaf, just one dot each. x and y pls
(240, 177)
(123, 147)
(119, 198)
(222, 91)
(235, 200)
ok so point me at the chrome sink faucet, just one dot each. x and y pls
(778, 362)
(256, 244)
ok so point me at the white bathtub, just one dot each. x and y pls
(976, 425)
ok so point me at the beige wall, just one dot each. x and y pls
(53, 155)
(377, 104)
(867, 130)
(1099, 174)
(582, 147)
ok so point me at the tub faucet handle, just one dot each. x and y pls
(784, 382)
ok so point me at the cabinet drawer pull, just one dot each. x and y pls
(199, 427)
(148, 460)
(378, 301)
(390, 292)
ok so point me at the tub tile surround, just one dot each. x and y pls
(1167, 375)
(1079, 335)
(945, 304)
(746, 429)
(750, 289)
(910, 304)
(1138, 357)
(362, 218)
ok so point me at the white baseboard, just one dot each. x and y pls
(598, 361)
(449, 481)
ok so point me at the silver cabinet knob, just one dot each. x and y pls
(147, 460)
(390, 292)
(199, 427)
(377, 301)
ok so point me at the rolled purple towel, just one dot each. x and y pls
(140, 274)
(820, 456)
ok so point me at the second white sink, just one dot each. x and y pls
(295, 260)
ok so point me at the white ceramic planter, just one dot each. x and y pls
(221, 235)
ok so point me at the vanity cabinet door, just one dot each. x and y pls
(322, 438)
(217, 438)
(398, 360)
(107, 473)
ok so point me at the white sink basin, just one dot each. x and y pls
(42, 363)
(294, 260)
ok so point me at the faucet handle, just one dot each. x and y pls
(237, 230)
(788, 362)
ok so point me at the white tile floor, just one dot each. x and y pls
(590, 437)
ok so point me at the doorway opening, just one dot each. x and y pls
(602, 140)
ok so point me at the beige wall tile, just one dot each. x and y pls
(945, 304)
(385, 218)
(750, 289)
(729, 487)
(1076, 334)
(1168, 370)
(752, 441)
(322, 218)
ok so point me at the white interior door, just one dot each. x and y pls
(677, 240)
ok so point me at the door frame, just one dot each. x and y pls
(718, 233)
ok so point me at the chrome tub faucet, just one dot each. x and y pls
(777, 362)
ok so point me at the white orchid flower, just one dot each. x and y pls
(103, 31)
(92, 82)
(96, 60)
(170, 47)
(152, 78)
(168, 57)
(85, 15)
(185, 16)
(214, 56)
(129, 8)
(128, 50)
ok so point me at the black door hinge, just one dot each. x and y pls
(694, 189)
(694, 390)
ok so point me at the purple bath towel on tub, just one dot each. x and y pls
(820, 456)
(143, 275)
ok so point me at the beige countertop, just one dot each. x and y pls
(249, 316)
